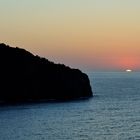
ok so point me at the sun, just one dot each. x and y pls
(128, 70)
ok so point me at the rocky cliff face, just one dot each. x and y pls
(25, 77)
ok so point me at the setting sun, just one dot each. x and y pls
(128, 70)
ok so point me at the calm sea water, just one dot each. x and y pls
(112, 114)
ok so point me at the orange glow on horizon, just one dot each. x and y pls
(129, 62)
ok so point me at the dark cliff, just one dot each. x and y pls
(25, 77)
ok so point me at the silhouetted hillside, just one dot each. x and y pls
(25, 77)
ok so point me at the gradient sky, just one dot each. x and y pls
(86, 34)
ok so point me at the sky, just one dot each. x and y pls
(93, 35)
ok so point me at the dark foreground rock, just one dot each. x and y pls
(25, 77)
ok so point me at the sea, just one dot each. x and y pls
(112, 114)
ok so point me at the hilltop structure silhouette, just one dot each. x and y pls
(26, 77)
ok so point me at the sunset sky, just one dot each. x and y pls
(98, 35)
